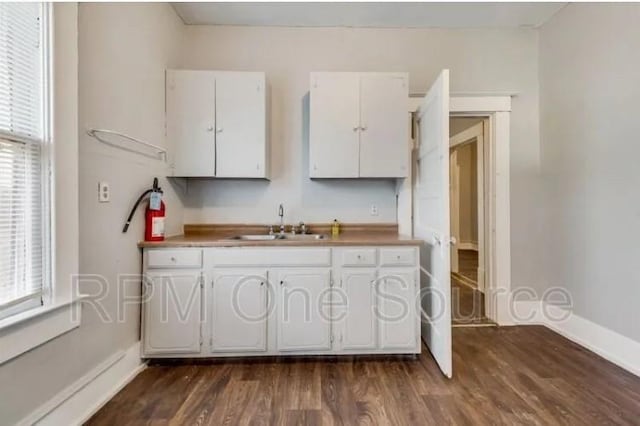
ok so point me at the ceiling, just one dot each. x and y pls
(385, 15)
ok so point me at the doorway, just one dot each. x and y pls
(467, 219)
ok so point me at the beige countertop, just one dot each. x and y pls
(221, 236)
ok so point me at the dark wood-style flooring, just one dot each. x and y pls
(502, 376)
(467, 303)
(468, 264)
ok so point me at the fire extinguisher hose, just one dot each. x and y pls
(135, 206)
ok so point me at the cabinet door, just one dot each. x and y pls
(303, 313)
(359, 322)
(241, 148)
(239, 311)
(172, 309)
(334, 119)
(397, 299)
(191, 122)
(384, 120)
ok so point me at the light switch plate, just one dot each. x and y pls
(374, 210)
(104, 193)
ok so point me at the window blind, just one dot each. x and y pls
(22, 212)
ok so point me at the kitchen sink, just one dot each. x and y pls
(303, 237)
(255, 237)
(287, 237)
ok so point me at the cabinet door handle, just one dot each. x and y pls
(355, 129)
(210, 129)
(261, 283)
(363, 128)
(281, 282)
(219, 130)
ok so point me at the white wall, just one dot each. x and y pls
(123, 51)
(589, 91)
(479, 60)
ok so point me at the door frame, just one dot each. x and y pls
(497, 109)
(477, 133)
(454, 203)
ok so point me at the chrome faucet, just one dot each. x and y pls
(281, 214)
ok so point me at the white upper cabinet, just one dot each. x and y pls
(359, 125)
(241, 149)
(191, 113)
(384, 125)
(217, 123)
(334, 124)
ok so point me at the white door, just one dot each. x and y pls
(240, 124)
(172, 308)
(334, 124)
(397, 304)
(191, 122)
(239, 310)
(303, 299)
(359, 322)
(384, 132)
(431, 220)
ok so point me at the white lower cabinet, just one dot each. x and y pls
(239, 310)
(280, 301)
(172, 312)
(357, 308)
(397, 313)
(303, 309)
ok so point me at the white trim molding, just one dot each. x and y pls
(83, 398)
(610, 345)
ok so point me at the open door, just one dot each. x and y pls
(431, 220)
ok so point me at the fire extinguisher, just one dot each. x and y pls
(154, 214)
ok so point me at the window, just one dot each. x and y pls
(24, 165)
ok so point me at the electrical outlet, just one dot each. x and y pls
(374, 210)
(103, 192)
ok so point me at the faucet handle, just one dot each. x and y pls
(303, 228)
(271, 230)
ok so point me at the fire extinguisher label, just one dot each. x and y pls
(157, 227)
(155, 201)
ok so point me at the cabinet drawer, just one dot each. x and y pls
(359, 257)
(398, 257)
(179, 258)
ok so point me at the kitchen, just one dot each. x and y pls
(117, 65)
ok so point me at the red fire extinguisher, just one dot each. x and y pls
(154, 214)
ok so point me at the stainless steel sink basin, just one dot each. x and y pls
(287, 237)
(304, 237)
(255, 237)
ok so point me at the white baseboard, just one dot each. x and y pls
(468, 245)
(78, 402)
(610, 345)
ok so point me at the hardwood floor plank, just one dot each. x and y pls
(502, 376)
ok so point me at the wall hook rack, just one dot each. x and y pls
(99, 135)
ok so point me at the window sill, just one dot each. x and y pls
(27, 330)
